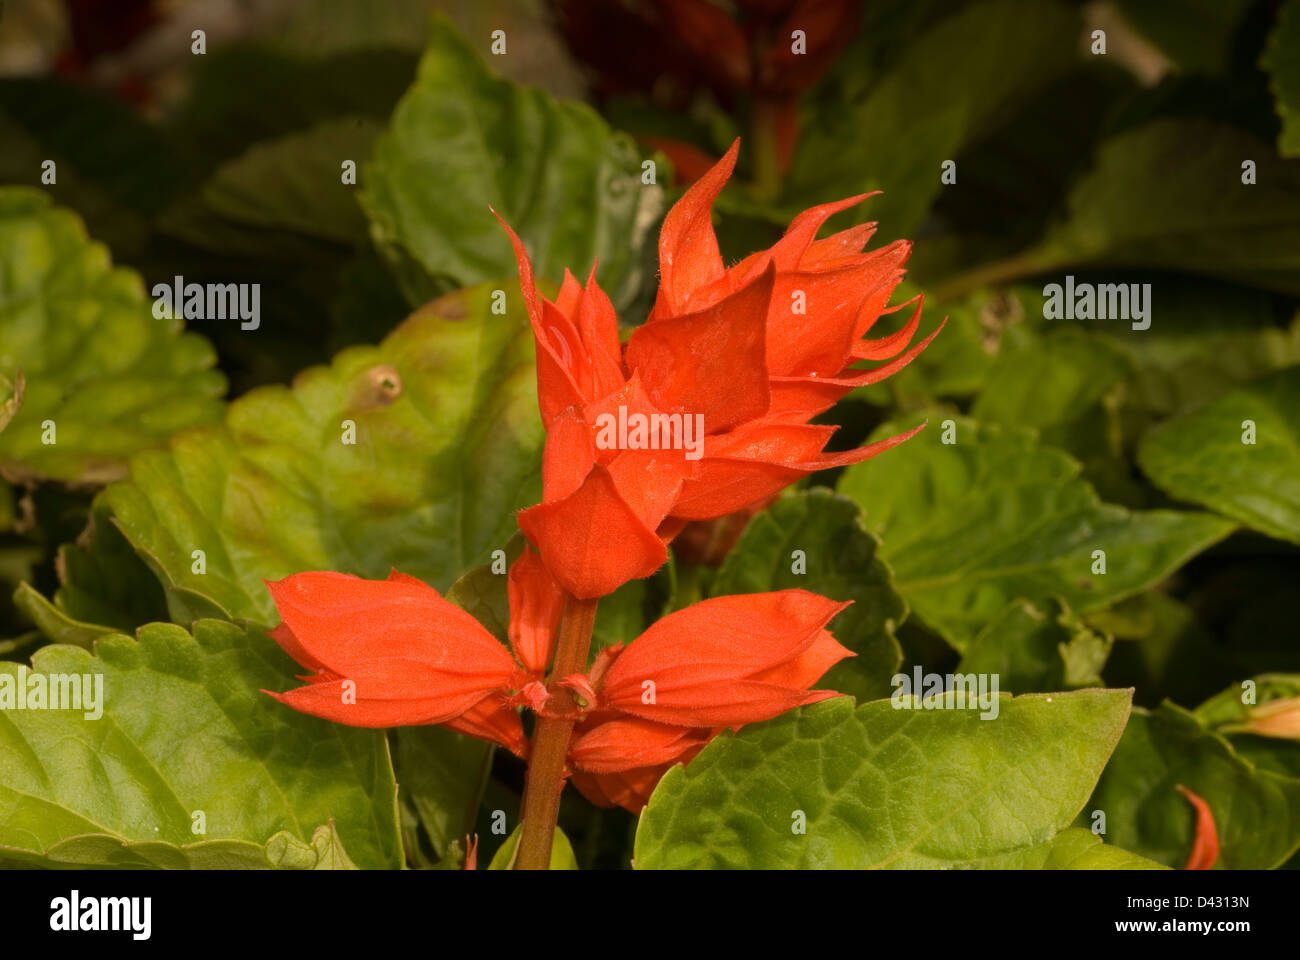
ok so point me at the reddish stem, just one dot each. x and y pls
(551, 738)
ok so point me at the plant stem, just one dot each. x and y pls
(551, 740)
(990, 275)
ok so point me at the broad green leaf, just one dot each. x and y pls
(105, 377)
(1257, 813)
(442, 773)
(562, 857)
(287, 192)
(1032, 649)
(1206, 456)
(447, 448)
(882, 787)
(1072, 849)
(942, 94)
(1282, 61)
(463, 140)
(993, 516)
(1169, 195)
(324, 852)
(1195, 34)
(184, 730)
(817, 541)
(1043, 381)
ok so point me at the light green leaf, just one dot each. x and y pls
(945, 91)
(462, 140)
(1257, 813)
(184, 730)
(880, 787)
(971, 525)
(839, 560)
(447, 448)
(562, 857)
(1282, 62)
(324, 852)
(1072, 849)
(1202, 456)
(1033, 649)
(1229, 711)
(1169, 194)
(110, 376)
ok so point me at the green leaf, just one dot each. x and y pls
(1049, 380)
(109, 375)
(285, 192)
(942, 94)
(442, 773)
(1169, 195)
(1257, 813)
(1227, 712)
(839, 560)
(562, 857)
(114, 790)
(324, 852)
(1196, 34)
(1033, 649)
(1282, 62)
(971, 525)
(1202, 456)
(884, 787)
(463, 140)
(1073, 849)
(447, 448)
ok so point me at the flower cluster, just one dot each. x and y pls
(388, 653)
(751, 353)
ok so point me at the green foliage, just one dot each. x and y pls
(977, 794)
(463, 142)
(113, 790)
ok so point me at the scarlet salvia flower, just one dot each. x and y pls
(750, 354)
(387, 653)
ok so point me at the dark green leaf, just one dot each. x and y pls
(1204, 457)
(817, 541)
(1033, 649)
(971, 525)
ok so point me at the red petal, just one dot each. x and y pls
(536, 602)
(598, 326)
(688, 248)
(568, 455)
(494, 720)
(625, 744)
(712, 362)
(349, 624)
(629, 789)
(592, 541)
(709, 662)
(1205, 848)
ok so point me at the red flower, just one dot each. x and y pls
(736, 361)
(387, 653)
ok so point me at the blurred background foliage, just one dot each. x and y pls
(1122, 166)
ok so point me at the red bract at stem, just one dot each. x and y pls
(551, 736)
